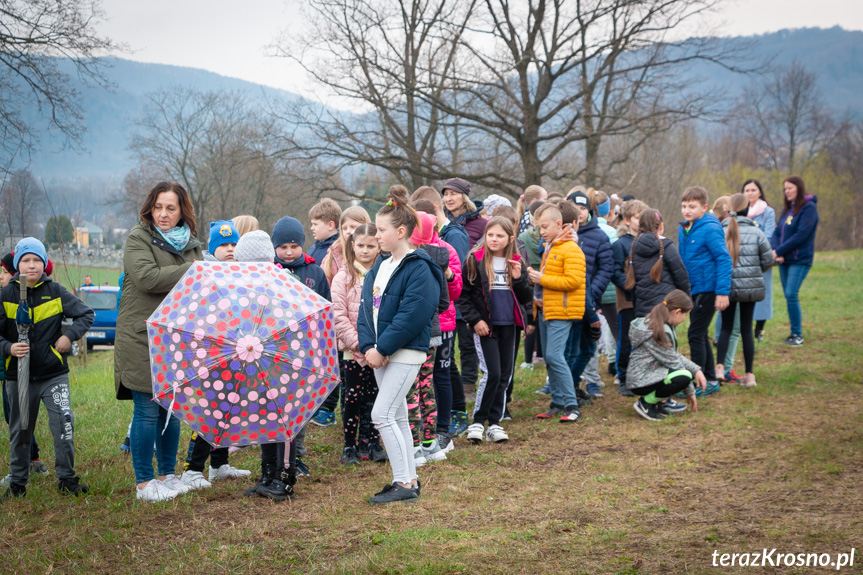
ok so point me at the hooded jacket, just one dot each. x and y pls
(152, 267)
(794, 236)
(563, 278)
(308, 272)
(319, 249)
(475, 299)
(346, 310)
(49, 303)
(648, 293)
(407, 306)
(531, 239)
(620, 250)
(472, 222)
(454, 285)
(650, 362)
(753, 259)
(440, 256)
(597, 257)
(705, 255)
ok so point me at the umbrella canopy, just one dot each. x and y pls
(243, 353)
(24, 319)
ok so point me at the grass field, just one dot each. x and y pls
(73, 276)
(779, 466)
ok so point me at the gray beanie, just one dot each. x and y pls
(254, 247)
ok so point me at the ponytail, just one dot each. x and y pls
(738, 205)
(648, 223)
(399, 211)
(656, 270)
(660, 314)
(630, 269)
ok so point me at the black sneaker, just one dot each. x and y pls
(794, 339)
(72, 486)
(268, 473)
(395, 493)
(612, 368)
(418, 488)
(507, 416)
(349, 456)
(621, 390)
(377, 452)
(570, 415)
(363, 450)
(16, 491)
(647, 410)
(583, 397)
(759, 335)
(281, 488)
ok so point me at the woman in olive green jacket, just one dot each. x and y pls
(159, 250)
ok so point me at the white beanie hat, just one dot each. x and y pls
(254, 246)
(493, 202)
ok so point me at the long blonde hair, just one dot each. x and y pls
(530, 195)
(509, 251)
(246, 224)
(355, 213)
(736, 204)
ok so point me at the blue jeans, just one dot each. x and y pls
(792, 276)
(148, 422)
(555, 334)
(580, 349)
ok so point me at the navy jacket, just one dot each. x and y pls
(597, 256)
(620, 250)
(406, 309)
(456, 236)
(705, 255)
(318, 251)
(309, 273)
(794, 236)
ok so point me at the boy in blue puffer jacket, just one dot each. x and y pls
(599, 260)
(708, 263)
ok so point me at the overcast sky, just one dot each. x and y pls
(230, 38)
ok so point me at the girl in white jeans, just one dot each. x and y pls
(399, 298)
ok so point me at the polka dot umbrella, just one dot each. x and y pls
(243, 353)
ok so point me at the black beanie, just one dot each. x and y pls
(288, 230)
(7, 263)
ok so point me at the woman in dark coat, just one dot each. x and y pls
(159, 250)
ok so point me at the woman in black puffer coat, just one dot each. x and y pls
(751, 254)
(654, 267)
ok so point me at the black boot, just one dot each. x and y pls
(268, 472)
(282, 487)
(15, 490)
(72, 486)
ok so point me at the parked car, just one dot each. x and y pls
(102, 300)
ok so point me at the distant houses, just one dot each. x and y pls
(88, 235)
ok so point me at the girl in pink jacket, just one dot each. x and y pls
(360, 389)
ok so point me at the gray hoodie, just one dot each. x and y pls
(650, 361)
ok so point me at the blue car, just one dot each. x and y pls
(103, 301)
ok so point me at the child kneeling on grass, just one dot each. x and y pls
(49, 373)
(656, 369)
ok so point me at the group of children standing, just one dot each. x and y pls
(565, 272)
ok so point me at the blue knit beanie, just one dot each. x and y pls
(288, 230)
(30, 246)
(222, 232)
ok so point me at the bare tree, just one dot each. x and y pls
(21, 201)
(785, 117)
(380, 57)
(34, 35)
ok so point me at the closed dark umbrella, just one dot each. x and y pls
(24, 320)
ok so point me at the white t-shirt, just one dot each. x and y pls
(382, 279)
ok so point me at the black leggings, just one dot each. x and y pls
(510, 389)
(498, 349)
(674, 382)
(609, 311)
(747, 312)
(199, 450)
(360, 391)
(700, 348)
(759, 325)
(532, 343)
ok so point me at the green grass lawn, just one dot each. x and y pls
(778, 466)
(72, 276)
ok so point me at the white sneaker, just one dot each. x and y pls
(474, 432)
(4, 483)
(525, 365)
(496, 434)
(433, 452)
(227, 472)
(419, 456)
(195, 480)
(156, 491)
(173, 482)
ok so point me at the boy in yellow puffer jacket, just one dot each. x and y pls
(562, 278)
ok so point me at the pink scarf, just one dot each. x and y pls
(756, 209)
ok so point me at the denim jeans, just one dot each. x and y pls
(792, 276)
(580, 351)
(390, 417)
(148, 423)
(555, 335)
(442, 382)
